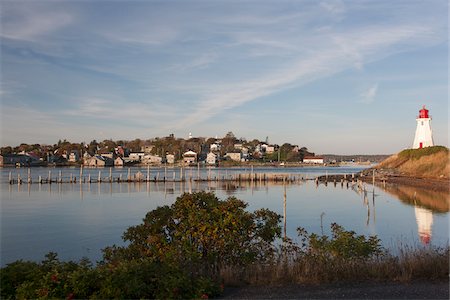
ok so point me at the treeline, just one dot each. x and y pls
(200, 244)
(166, 145)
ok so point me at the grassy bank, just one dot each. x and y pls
(429, 162)
(412, 264)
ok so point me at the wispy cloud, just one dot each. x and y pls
(368, 96)
(373, 44)
(32, 21)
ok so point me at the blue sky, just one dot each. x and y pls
(340, 77)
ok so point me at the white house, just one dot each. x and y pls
(267, 148)
(214, 147)
(170, 158)
(152, 159)
(74, 156)
(236, 156)
(189, 157)
(118, 162)
(136, 156)
(313, 160)
(211, 158)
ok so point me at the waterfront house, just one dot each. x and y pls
(313, 160)
(170, 158)
(211, 158)
(99, 161)
(136, 156)
(14, 159)
(107, 154)
(189, 157)
(152, 159)
(235, 156)
(119, 162)
(74, 156)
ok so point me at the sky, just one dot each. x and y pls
(341, 77)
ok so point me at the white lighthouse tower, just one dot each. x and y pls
(424, 135)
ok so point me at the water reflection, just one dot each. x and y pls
(72, 217)
(425, 202)
(438, 202)
(424, 218)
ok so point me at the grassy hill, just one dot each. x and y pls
(429, 162)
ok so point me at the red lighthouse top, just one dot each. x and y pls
(423, 113)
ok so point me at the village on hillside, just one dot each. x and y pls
(225, 151)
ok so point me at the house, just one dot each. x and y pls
(136, 156)
(267, 148)
(235, 156)
(211, 158)
(170, 158)
(189, 157)
(99, 161)
(152, 159)
(15, 159)
(74, 156)
(238, 146)
(313, 160)
(214, 147)
(119, 162)
(108, 154)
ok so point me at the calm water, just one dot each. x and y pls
(77, 220)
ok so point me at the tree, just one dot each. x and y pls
(202, 234)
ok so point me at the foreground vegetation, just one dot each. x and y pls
(200, 243)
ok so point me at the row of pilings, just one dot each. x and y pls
(139, 176)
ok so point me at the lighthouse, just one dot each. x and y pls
(424, 135)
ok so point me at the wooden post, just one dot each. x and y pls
(89, 177)
(284, 208)
(29, 176)
(129, 175)
(40, 179)
(49, 176)
(60, 177)
(10, 177)
(148, 172)
(110, 174)
(81, 174)
(19, 181)
(99, 176)
(71, 178)
(373, 177)
(198, 171)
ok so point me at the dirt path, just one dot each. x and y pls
(416, 290)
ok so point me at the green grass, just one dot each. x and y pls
(415, 154)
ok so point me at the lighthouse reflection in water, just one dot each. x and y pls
(424, 218)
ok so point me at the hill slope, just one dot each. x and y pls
(430, 162)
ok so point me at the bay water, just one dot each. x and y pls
(79, 219)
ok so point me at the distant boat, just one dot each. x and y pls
(281, 164)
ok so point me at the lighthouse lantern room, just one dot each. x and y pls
(424, 135)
